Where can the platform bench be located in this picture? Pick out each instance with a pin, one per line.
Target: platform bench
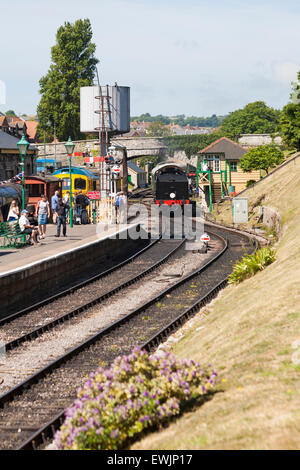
(11, 235)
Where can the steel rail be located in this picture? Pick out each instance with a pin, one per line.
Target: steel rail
(31, 335)
(182, 318)
(77, 286)
(18, 389)
(48, 430)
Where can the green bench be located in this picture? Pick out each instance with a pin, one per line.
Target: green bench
(11, 236)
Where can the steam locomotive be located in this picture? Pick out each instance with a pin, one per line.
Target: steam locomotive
(170, 185)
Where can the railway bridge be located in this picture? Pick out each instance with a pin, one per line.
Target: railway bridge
(136, 147)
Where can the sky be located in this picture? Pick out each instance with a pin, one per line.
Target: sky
(192, 57)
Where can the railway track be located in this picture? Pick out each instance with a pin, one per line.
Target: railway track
(75, 301)
(33, 410)
(76, 287)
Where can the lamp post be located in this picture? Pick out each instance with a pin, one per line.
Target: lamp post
(22, 146)
(70, 148)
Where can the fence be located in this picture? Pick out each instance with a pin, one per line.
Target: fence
(102, 210)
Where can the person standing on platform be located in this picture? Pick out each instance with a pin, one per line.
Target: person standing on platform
(61, 209)
(117, 208)
(43, 213)
(54, 201)
(81, 204)
(123, 208)
(86, 204)
(66, 200)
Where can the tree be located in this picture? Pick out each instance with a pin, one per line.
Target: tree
(10, 112)
(190, 144)
(73, 66)
(142, 161)
(254, 118)
(263, 157)
(290, 118)
(158, 129)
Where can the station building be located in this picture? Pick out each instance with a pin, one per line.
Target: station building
(10, 160)
(222, 158)
(136, 176)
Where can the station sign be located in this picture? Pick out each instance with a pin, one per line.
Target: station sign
(93, 195)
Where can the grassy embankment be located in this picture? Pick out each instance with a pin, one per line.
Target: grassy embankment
(248, 335)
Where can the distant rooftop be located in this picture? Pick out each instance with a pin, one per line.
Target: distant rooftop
(9, 142)
(135, 168)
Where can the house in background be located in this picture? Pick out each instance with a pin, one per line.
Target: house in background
(3, 123)
(225, 176)
(10, 160)
(17, 126)
(31, 129)
(136, 176)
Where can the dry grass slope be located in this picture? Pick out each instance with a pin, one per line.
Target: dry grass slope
(247, 334)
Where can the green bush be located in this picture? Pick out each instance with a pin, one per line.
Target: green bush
(138, 392)
(251, 264)
(250, 183)
(191, 144)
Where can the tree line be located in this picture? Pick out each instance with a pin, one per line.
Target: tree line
(181, 120)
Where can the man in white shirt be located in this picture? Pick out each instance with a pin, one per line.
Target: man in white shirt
(205, 166)
(26, 228)
(123, 208)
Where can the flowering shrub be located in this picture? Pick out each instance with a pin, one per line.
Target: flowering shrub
(251, 264)
(138, 391)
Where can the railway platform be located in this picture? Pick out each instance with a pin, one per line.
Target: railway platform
(79, 235)
(36, 271)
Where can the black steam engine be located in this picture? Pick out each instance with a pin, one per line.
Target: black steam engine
(170, 185)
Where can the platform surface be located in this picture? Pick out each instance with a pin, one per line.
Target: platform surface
(77, 236)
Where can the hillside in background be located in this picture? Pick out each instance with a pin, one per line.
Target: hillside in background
(181, 120)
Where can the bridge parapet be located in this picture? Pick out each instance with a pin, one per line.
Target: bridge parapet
(136, 147)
